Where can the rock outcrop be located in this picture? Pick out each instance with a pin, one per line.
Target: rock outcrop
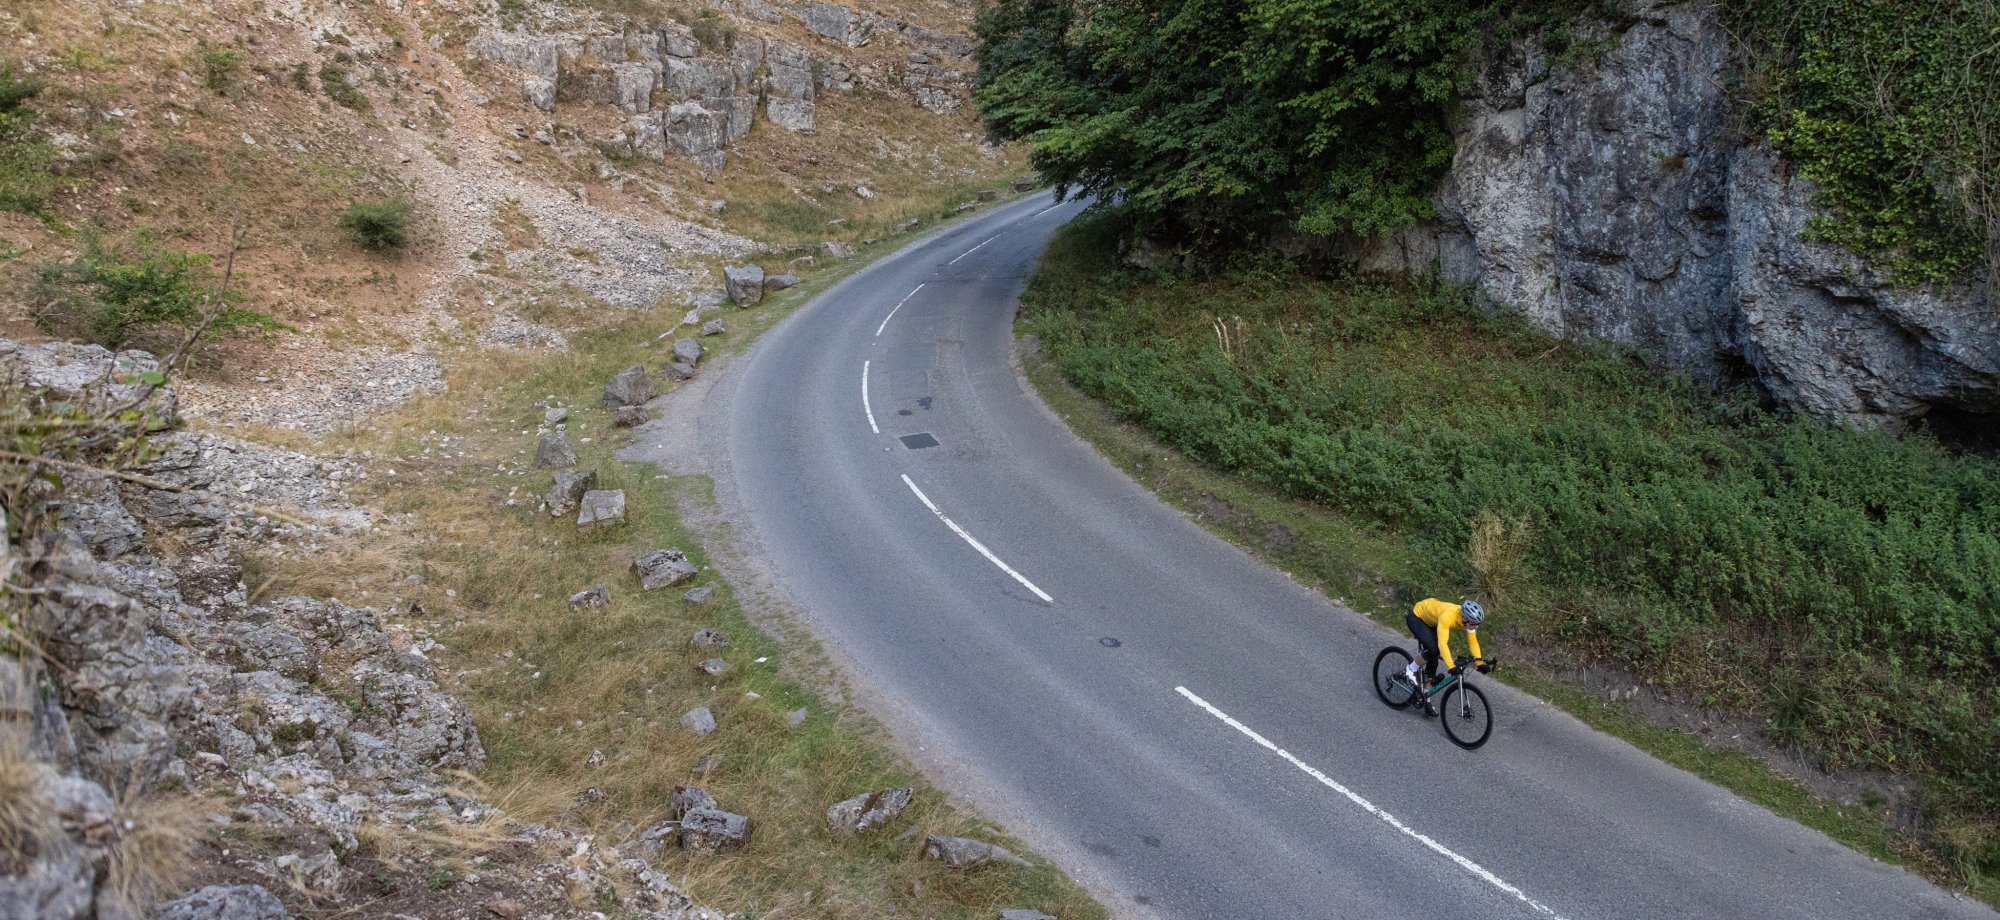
(1615, 200)
(694, 96)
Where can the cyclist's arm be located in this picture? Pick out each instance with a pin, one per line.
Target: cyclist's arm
(1444, 644)
(1472, 639)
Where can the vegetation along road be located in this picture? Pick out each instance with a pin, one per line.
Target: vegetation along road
(1185, 729)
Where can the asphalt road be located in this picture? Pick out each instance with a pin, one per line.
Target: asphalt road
(1180, 727)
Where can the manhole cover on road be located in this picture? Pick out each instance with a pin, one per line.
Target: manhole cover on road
(1108, 642)
(919, 441)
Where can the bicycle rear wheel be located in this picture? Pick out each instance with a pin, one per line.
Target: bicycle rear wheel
(1390, 684)
(1468, 721)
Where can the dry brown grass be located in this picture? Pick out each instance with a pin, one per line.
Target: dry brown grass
(153, 848)
(27, 820)
(1497, 547)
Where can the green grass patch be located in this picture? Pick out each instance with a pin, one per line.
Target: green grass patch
(1687, 536)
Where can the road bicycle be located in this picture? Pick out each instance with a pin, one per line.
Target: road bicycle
(1461, 708)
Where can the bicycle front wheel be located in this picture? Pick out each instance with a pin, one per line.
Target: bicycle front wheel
(1390, 684)
(1468, 721)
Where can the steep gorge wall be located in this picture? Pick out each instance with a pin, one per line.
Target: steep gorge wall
(1616, 199)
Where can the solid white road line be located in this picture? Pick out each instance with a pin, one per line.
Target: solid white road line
(1369, 807)
(981, 547)
(898, 306)
(864, 399)
(973, 249)
(1047, 209)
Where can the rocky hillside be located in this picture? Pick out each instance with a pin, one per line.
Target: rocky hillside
(1616, 198)
(249, 668)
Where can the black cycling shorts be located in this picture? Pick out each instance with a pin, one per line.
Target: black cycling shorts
(1427, 639)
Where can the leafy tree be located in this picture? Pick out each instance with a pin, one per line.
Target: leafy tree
(1213, 116)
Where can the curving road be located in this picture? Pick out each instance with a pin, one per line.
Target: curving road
(1180, 727)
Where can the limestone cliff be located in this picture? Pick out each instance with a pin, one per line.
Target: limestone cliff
(1615, 198)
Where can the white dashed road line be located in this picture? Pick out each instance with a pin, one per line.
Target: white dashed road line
(981, 547)
(974, 249)
(898, 306)
(1369, 807)
(864, 399)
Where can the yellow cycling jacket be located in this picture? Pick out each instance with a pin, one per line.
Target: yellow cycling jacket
(1444, 616)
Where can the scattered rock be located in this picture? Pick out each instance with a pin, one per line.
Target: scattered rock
(796, 717)
(631, 417)
(630, 388)
(988, 194)
(596, 760)
(744, 283)
(714, 667)
(867, 811)
(506, 908)
(714, 327)
(225, 902)
(908, 225)
(699, 720)
(570, 485)
(718, 206)
(699, 595)
(601, 508)
(780, 282)
(662, 568)
(593, 598)
(966, 853)
(556, 416)
(1024, 185)
(836, 249)
(688, 798)
(680, 371)
(688, 351)
(554, 450)
(708, 638)
(1022, 913)
(713, 830)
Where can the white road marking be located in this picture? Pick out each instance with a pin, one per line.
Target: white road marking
(973, 249)
(864, 399)
(1369, 807)
(898, 306)
(1047, 209)
(981, 547)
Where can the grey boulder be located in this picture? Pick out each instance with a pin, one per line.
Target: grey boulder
(780, 282)
(966, 853)
(688, 351)
(708, 638)
(714, 327)
(563, 496)
(601, 508)
(662, 568)
(1022, 913)
(225, 902)
(712, 830)
(867, 811)
(554, 450)
(680, 370)
(699, 720)
(745, 284)
(698, 595)
(631, 417)
(714, 667)
(630, 388)
(597, 597)
(687, 799)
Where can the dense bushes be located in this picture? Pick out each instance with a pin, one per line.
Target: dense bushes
(379, 226)
(1896, 117)
(1844, 584)
(120, 287)
(25, 179)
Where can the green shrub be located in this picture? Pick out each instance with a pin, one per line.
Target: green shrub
(218, 67)
(334, 82)
(1844, 584)
(379, 226)
(116, 289)
(26, 181)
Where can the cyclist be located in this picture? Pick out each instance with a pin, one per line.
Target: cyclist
(1431, 621)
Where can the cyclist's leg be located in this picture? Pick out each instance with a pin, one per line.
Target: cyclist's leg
(1426, 636)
